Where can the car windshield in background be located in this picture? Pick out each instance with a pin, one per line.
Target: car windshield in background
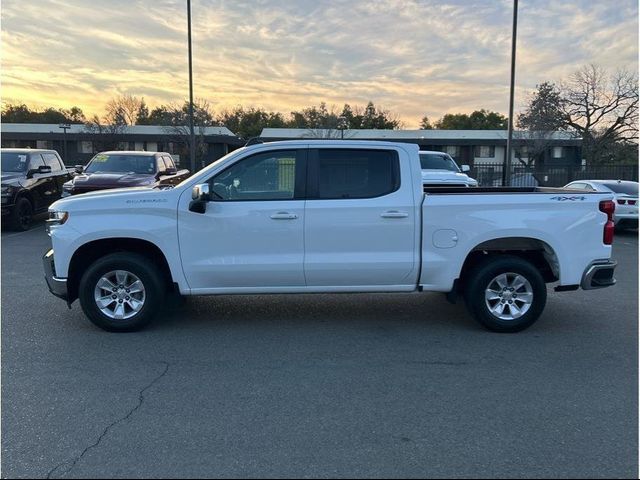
(623, 188)
(14, 162)
(121, 164)
(434, 161)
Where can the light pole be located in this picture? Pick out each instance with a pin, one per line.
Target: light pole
(192, 138)
(65, 127)
(506, 177)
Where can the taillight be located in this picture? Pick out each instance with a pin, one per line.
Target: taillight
(608, 207)
(623, 202)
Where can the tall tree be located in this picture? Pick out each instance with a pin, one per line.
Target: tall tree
(142, 117)
(425, 124)
(477, 120)
(248, 123)
(602, 108)
(123, 109)
(21, 113)
(538, 123)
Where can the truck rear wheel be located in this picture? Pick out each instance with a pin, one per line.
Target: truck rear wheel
(121, 292)
(505, 293)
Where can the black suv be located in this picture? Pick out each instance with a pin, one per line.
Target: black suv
(31, 181)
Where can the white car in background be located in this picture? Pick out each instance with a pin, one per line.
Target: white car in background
(625, 196)
(439, 169)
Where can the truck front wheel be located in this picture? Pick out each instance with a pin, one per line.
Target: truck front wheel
(505, 293)
(121, 292)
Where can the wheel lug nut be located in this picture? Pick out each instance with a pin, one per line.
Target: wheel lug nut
(120, 301)
(127, 298)
(114, 296)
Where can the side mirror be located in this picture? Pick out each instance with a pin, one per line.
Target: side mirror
(40, 169)
(200, 192)
(79, 168)
(465, 168)
(200, 197)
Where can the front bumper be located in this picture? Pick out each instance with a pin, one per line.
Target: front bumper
(599, 275)
(57, 286)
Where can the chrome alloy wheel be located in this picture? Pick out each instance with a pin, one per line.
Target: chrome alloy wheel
(119, 294)
(509, 296)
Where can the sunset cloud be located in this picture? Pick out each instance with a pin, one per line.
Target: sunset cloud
(412, 57)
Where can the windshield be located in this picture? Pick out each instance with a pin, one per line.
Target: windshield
(14, 162)
(104, 163)
(628, 188)
(438, 161)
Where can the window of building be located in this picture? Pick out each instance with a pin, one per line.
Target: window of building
(45, 144)
(557, 152)
(85, 147)
(485, 151)
(453, 150)
(350, 173)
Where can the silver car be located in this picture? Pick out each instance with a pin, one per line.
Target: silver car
(625, 194)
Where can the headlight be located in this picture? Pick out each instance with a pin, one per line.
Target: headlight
(7, 189)
(56, 218)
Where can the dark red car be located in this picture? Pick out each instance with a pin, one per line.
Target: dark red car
(120, 169)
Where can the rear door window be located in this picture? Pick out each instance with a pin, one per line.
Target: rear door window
(352, 173)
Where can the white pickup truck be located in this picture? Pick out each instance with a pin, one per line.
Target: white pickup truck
(326, 216)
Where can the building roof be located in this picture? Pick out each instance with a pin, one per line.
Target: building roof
(408, 135)
(127, 130)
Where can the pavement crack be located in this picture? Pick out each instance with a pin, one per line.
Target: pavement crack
(72, 463)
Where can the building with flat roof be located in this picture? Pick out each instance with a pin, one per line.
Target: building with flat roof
(82, 143)
(470, 147)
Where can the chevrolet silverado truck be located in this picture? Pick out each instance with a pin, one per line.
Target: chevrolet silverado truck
(32, 180)
(439, 169)
(119, 169)
(326, 216)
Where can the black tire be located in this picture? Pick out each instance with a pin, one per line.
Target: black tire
(147, 272)
(22, 215)
(481, 277)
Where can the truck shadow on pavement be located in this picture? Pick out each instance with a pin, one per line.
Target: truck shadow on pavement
(344, 310)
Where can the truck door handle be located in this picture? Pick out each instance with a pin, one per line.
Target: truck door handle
(284, 216)
(394, 214)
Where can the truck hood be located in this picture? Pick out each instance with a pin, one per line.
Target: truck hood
(116, 198)
(12, 178)
(113, 180)
(446, 176)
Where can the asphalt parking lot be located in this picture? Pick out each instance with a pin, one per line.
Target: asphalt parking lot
(318, 385)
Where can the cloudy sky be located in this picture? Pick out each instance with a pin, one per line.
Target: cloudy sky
(411, 57)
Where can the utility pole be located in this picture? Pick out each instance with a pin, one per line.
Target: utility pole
(65, 127)
(192, 137)
(506, 175)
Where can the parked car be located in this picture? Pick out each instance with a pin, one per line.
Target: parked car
(119, 169)
(439, 169)
(31, 181)
(625, 194)
(326, 216)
